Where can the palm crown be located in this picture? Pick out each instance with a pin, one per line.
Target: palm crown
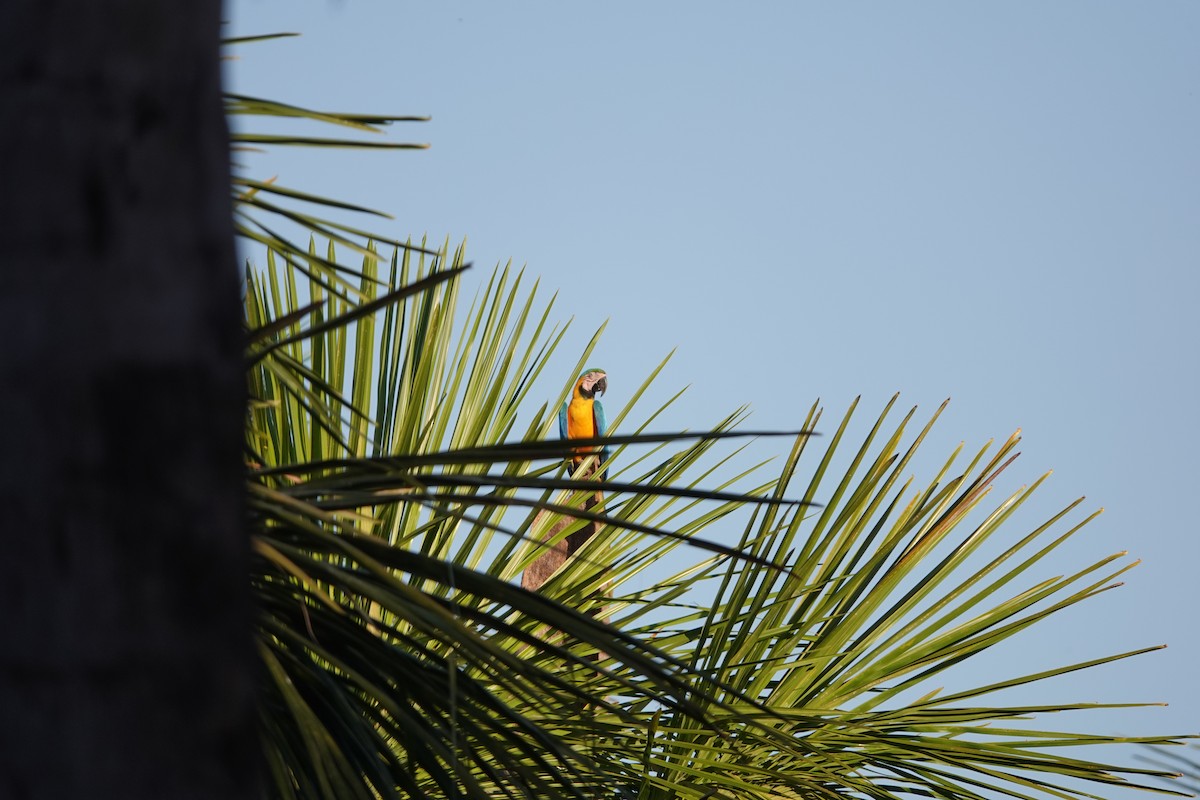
(401, 475)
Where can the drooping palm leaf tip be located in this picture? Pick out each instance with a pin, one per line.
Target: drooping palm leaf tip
(396, 482)
(1183, 767)
(269, 215)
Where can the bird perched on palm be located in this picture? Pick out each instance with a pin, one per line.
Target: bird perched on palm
(582, 415)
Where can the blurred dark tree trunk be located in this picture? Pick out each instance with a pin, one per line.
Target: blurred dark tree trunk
(125, 643)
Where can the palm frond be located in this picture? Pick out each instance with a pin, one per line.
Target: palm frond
(396, 498)
(266, 222)
(396, 494)
(386, 544)
(1183, 769)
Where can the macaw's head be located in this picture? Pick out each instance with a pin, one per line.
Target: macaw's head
(591, 382)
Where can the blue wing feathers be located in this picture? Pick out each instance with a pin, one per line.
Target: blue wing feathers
(562, 421)
(601, 425)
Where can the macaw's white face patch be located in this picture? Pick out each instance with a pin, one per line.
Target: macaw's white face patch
(592, 382)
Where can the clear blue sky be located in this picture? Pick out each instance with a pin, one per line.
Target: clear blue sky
(997, 202)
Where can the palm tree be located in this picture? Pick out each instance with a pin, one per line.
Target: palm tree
(398, 481)
(397, 495)
(126, 654)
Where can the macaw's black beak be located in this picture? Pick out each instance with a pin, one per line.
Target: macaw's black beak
(600, 386)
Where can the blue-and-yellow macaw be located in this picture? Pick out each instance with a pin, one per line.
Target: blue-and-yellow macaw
(582, 416)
